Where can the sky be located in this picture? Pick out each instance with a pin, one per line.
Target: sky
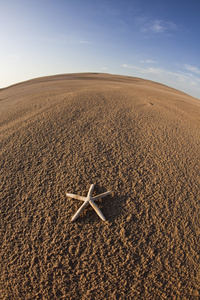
(157, 40)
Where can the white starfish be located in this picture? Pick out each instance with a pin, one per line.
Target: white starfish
(88, 200)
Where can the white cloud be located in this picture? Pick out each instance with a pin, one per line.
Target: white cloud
(148, 61)
(84, 42)
(14, 58)
(158, 26)
(192, 69)
(184, 81)
(128, 66)
(143, 70)
(70, 39)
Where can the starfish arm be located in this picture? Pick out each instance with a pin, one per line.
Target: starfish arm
(79, 211)
(90, 191)
(100, 196)
(76, 197)
(97, 209)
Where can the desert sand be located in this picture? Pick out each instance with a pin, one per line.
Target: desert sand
(133, 137)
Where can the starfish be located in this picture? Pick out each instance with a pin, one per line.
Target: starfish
(88, 200)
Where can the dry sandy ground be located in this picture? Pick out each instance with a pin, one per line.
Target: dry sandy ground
(136, 138)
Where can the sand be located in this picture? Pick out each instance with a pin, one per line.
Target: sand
(138, 139)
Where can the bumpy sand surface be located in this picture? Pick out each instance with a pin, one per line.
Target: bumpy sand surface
(136, 138)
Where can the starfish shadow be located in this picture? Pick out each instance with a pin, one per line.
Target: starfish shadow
(113, 205)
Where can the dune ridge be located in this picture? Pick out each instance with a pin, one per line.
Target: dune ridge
(136, 138)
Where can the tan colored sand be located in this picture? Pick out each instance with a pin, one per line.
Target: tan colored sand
(136, 138)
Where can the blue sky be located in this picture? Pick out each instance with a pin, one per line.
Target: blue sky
(152, 39)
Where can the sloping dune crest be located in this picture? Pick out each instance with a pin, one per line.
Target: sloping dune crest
(138, 139)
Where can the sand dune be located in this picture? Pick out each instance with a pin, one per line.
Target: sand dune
(138, 139)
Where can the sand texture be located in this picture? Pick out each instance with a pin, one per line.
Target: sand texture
(133, 137)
